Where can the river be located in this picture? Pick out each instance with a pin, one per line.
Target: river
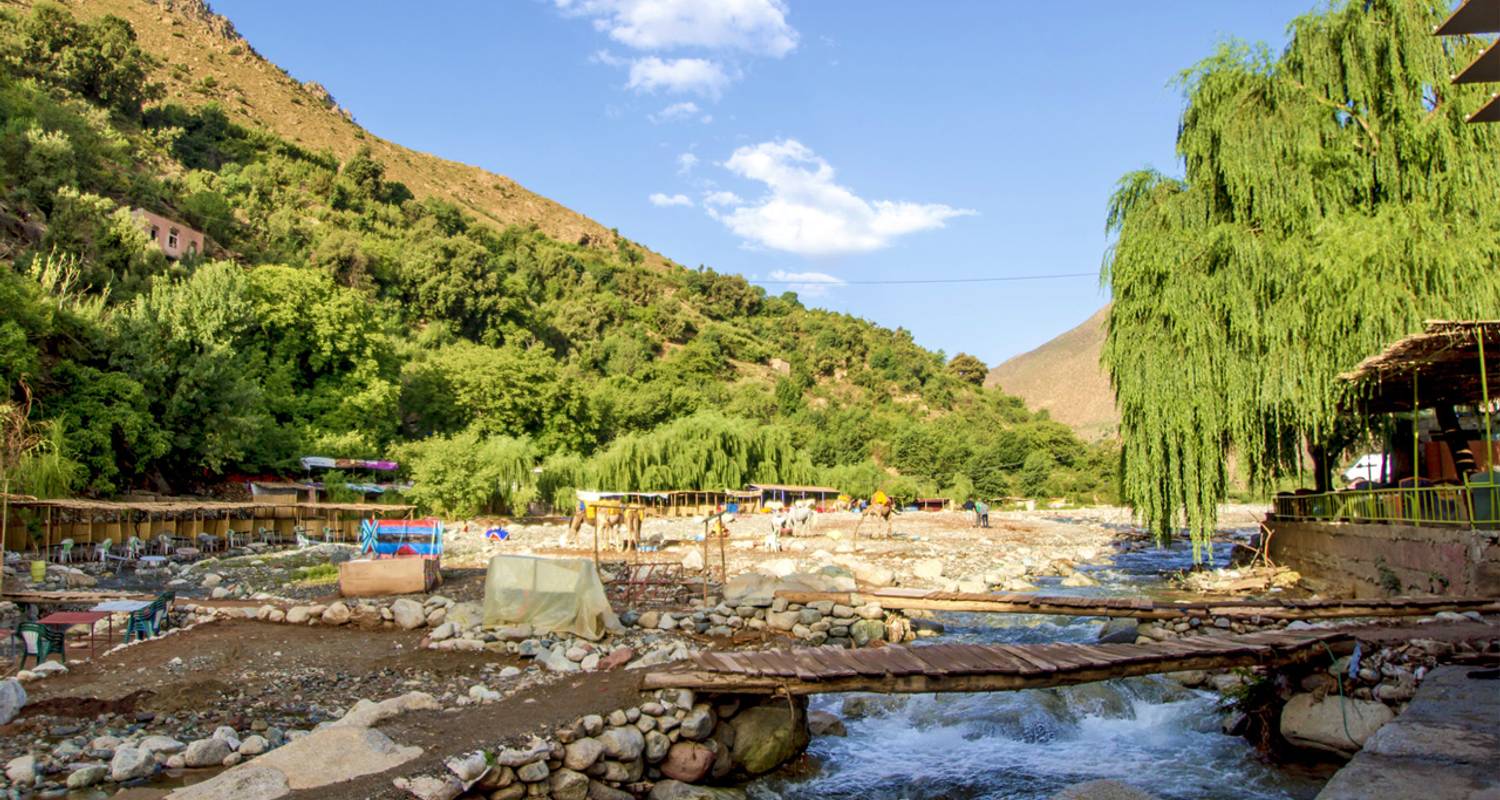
(1028, 745)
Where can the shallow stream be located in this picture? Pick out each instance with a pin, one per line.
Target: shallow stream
(1028, 745)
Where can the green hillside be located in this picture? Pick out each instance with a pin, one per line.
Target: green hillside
(337, 310)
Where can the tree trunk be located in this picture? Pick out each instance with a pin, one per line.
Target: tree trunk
(1457, 440)
(1319, 454)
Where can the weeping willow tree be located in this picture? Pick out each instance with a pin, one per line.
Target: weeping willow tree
(705, 451)
(468, 473)
(1332, 199)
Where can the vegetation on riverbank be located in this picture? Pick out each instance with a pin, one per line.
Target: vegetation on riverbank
(1333, 199)
(335, 312)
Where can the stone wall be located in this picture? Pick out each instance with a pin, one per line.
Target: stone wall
(1372, 560)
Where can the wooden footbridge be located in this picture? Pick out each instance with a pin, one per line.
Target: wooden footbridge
(983, 668)
(1076, 606)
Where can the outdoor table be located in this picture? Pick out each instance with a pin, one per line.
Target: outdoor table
(113, 607)
(153, 562)
(67, 619)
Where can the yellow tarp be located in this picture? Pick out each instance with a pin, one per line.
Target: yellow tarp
(552, 595)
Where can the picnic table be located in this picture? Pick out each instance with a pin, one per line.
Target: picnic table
(67, 619)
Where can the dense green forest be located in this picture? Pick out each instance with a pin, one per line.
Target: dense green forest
(334, 313)
(1333, 198)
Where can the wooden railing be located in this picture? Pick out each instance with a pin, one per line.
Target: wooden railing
(1476, 505)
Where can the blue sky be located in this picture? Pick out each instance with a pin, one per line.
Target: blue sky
(806, 140)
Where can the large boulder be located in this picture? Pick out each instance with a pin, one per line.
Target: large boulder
(765, 737)
(21, 770)
(569, 785)
(466, 615)
(871, 575)
(581, 754)
(336, 614)
(12, 698)
(866, 630)
(1334, 724)
(408, 614)
(928, 569)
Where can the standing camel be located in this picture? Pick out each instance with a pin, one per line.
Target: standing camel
(803, 516)
(881, 511)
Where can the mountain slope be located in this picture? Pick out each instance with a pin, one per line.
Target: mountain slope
(202, 58)
(1064, 378)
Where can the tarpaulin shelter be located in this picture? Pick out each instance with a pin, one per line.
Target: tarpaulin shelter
(552, 595)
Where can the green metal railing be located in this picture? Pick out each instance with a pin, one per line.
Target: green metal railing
(1474, 505)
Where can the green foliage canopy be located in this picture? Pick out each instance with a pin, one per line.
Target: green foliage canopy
(1333, 198)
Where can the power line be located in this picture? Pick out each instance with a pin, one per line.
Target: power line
(908, 281)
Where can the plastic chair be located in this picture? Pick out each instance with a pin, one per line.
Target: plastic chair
(164, 543)
(234, 538)
(142, 623)
(101, 550)
(65, 551)
(327, 535)
(39, 641)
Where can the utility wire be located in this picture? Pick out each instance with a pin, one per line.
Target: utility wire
(908, 281)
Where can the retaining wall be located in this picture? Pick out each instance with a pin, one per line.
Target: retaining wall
(1373, 560)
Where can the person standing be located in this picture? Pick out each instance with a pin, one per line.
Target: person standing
(982, 513)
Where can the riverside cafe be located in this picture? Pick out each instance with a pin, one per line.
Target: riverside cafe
(1431, 395)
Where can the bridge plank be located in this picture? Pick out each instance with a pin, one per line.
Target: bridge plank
(1001, 662)
(833, 662)
(955, 658)
(900, 661)
(1039, 664)
(933, 663)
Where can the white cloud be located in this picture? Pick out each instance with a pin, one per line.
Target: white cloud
(682, 75)
(722, 199)
(675, 112)
(758, 27)
(804, 211)
(812, 284)
(685, 163)
(668, 200)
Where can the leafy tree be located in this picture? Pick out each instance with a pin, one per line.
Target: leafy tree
(98, 60)
(968, 369)
(463, 475)
(1035, 479)
(1331, 201)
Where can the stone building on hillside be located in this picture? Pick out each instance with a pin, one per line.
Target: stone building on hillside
(175, 239)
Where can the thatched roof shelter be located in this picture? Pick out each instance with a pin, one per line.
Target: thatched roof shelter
(1439, 366)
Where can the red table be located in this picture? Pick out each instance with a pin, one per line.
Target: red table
(67, 619)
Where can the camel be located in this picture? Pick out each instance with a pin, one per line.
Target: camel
(881, 511)
(803, 516)
(606, 523)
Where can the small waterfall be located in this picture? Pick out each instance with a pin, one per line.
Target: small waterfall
(1027, 745)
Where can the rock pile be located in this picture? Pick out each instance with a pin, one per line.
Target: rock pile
(659, 749)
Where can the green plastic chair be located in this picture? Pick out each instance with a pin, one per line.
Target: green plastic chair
(101, 550)
(39, 641)
(142, 623)
(65, 551)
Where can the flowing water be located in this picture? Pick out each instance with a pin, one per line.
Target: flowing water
(1148, 732)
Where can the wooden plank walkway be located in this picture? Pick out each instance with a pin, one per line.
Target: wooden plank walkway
(1076, 606)
(981, 668)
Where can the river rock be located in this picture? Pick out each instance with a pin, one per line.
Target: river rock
(130, 763)
(164, 745)
(1079, 580)
(408, 614)
(209, 752)
(750, 589)
(866, 630)
(677, 790)
(657, 744)
(623, 744)
(1102, 790)
(687, 762)
(12, 698)
(84, 777)
(822, 723)
(254, 746)
(336, 613)
(1320, 724)
(1121, 630)
(535, 772)
(781, 621)
(21, 770)
(569, 785)
(698, 723)
(581, 754)
(692, 560)
(428, 787)
(766, 736)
